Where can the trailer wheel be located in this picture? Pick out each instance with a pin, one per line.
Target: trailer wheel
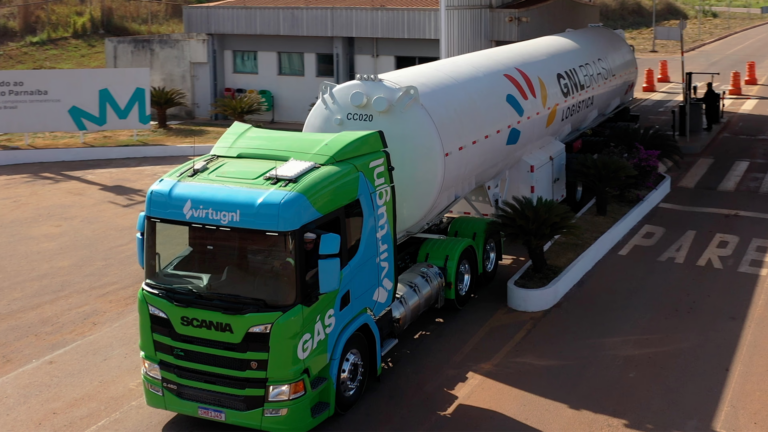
(352, 375)
(491, 257)
(466, 278)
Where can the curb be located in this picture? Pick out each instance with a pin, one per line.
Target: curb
(727, 35)
(539, 299)
(15, 157)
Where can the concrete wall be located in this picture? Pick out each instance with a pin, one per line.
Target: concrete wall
(368, 64)
(168, 57)
(293, 94)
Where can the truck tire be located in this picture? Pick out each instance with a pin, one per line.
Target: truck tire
(352, 375)
(491, 257)
(466, 278)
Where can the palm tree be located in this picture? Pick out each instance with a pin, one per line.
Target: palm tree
(534, 224)
(604, 176)
(163, 99)
(239, 107)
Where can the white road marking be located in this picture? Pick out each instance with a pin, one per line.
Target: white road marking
(748, 105)
(639, 240)
(42, 360)
(764, 186)
(679, 250)
(729, 101)
(714, 210)
(653, 98)
(115, 415)
(714, 251)
(695, 174)
(671, 103)
(733, 177)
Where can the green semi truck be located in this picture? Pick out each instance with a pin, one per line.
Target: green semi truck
(282, 266)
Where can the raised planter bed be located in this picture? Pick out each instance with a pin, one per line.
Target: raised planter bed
(539, 299)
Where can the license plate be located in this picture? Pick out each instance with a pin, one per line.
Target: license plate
(211, 413)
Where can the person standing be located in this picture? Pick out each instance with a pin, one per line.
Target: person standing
(711, 104)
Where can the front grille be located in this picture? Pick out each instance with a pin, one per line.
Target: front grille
(212, 398)
(213, 360)
(252, 342)
(319, 408)
(214, 379)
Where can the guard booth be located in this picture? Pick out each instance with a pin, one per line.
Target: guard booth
(696, 105)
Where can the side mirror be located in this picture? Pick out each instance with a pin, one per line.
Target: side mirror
(329, 269)
(330, 244)
(140, 239)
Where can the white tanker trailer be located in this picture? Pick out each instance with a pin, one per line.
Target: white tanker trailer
(480, 120)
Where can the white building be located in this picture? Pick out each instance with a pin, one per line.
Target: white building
(289, 47)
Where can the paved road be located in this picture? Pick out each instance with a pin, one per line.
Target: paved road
(641, 343)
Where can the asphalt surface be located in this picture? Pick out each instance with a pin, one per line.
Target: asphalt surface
(667, 332)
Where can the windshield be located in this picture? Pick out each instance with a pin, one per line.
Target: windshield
(221, 262)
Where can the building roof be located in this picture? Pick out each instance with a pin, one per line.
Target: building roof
(331, 3)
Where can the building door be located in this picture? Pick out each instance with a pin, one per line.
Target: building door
(201, 89)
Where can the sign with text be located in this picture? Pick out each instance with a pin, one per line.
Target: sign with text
(668, 33)
(74, 100)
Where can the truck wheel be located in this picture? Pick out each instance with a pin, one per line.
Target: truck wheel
(353, 372)
(491, 257)
(466, 278)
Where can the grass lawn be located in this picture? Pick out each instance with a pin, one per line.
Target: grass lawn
(84, 52)
(566, 249)
(710, 28)
(186, 133)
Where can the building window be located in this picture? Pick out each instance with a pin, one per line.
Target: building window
(292, 64)
(246, 62)
(404, 62)
(325, 65)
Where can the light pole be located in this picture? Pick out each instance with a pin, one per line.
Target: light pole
(653, 27)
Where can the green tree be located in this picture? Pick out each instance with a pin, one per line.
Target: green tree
(604, 176)
(534, 224)
(163, 99)
(239, 107)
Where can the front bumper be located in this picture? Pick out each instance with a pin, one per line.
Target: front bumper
(303, 413)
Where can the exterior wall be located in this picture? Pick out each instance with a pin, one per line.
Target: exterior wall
(553, 17)
(367, 64)
(313, 21)
(293, 94)
(168, 57)
(468, 29)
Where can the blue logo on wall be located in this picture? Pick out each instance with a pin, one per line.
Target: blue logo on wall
(106, 99)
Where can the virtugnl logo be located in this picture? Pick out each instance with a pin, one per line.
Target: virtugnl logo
(222, 216)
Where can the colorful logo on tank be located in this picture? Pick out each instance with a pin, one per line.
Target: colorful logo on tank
(514, 133)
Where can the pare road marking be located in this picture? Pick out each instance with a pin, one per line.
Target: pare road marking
(755, 261)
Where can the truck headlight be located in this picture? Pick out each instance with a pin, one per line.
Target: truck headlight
(157, 312)
(151, 369)
(284, 392)
(265, 328)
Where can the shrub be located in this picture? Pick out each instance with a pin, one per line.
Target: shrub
(534, 224)
(239, 107)
(163, 99)
(605, 176)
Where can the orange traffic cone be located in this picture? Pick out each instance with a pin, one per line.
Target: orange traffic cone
(663, 72)
(648, 85)
(751, 74)
(735, 89)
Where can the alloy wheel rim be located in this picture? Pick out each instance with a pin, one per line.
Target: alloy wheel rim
(465, 275)
(351, 372)
(489, 256)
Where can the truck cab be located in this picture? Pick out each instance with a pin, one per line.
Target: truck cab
(271, 277)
